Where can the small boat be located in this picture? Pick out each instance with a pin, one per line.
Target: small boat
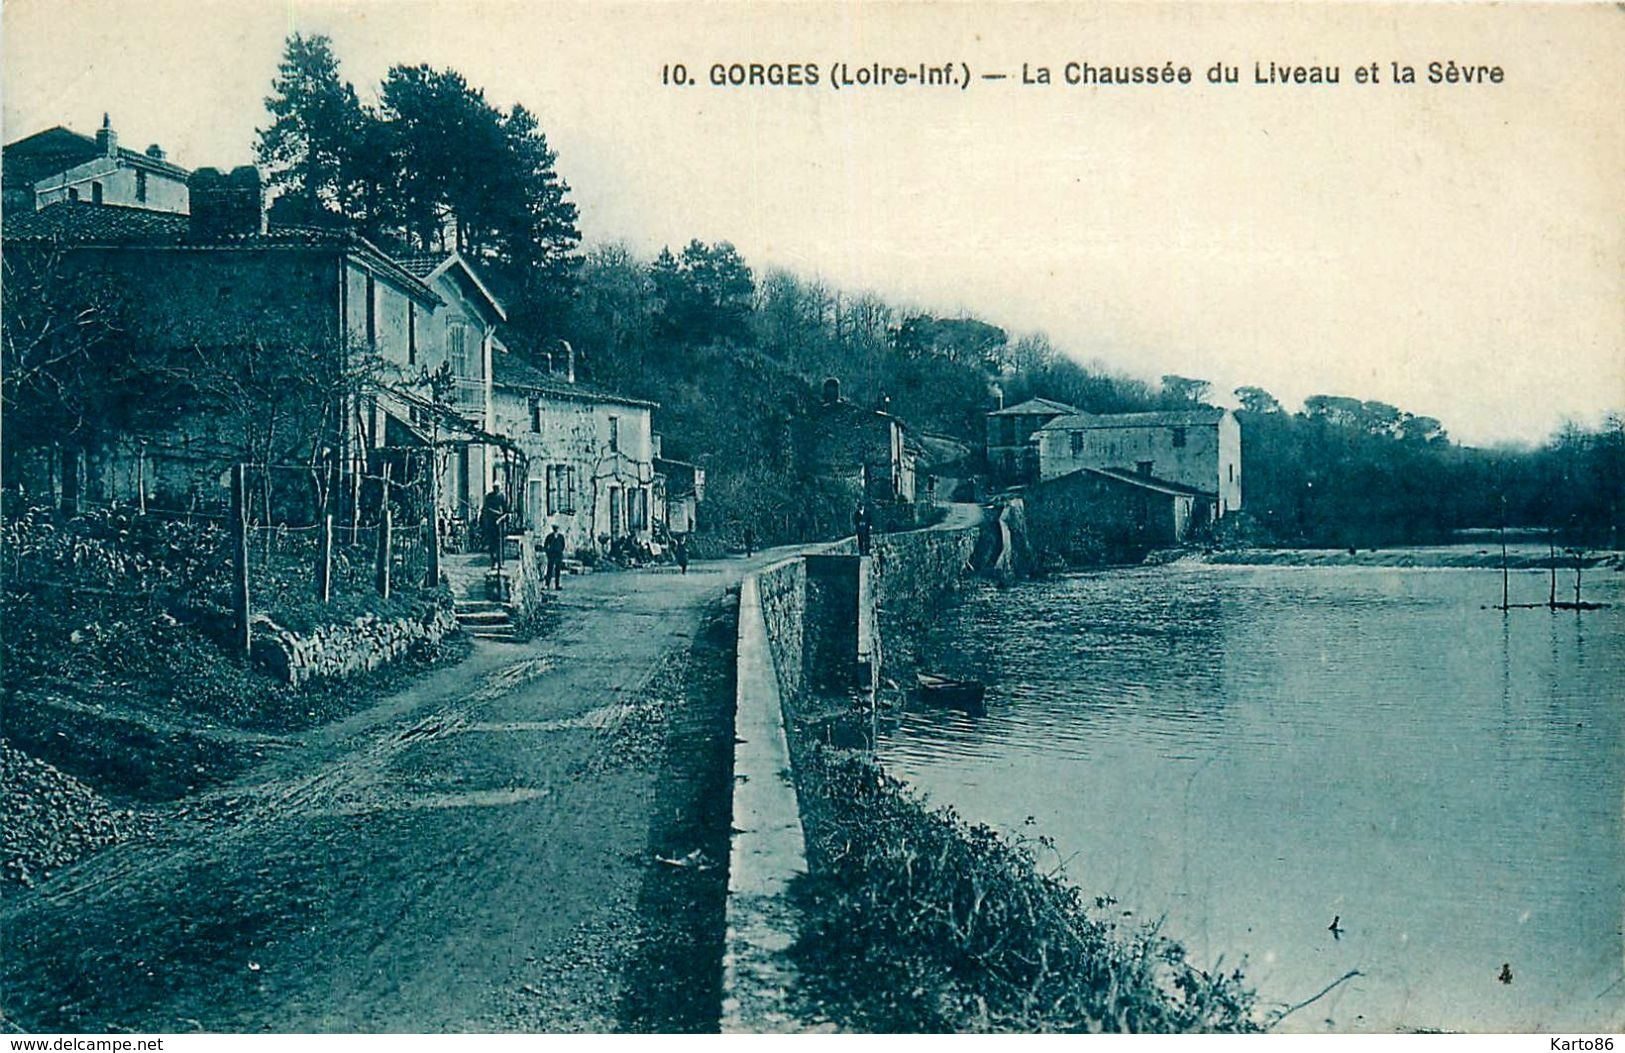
(947, 691)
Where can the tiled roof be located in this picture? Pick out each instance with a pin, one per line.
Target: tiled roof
(83, 221)
(422, 264)
(59, 149)
(1035, 406)
(86, 223)
(1164, 484)
(1143, 482)
(1157, 419)
(510, 371)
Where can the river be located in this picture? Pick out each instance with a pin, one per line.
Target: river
(1247, 753)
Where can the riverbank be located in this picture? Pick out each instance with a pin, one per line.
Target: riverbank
(907, 918)
(1521, 556)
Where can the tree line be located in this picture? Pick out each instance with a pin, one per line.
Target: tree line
(736, 357)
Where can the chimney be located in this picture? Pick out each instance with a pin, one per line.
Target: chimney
(569, 361)
(998, 396)
(107, 138)
(224, 206)
(655, 444)
(156, 152)
(832, 391)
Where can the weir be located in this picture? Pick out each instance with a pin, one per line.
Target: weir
(813, 622)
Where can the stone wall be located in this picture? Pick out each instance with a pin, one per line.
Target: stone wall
(913, 572)
(783, 595)
(348, 648)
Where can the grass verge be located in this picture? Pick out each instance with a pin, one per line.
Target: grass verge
(918, 921)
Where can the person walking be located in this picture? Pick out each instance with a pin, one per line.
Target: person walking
(679, 548)
(553, 548)
(750, 541)
(492, 518)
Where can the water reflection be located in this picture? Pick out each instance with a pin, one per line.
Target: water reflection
(1253, 751)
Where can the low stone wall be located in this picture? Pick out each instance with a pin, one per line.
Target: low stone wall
(906, 576)
(913, 572)
(782, 591)
(347, 648)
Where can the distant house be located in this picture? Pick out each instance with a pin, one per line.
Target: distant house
(1198, 449)
(586, 459)
(679, 490)
(1010, 455)
(865, 451)
(1121, 514)
(61, 165)
(219, 277)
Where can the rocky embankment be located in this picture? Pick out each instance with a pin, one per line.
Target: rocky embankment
(49, 820)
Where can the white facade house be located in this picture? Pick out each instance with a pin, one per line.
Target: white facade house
(1197, 448)
(587, 456)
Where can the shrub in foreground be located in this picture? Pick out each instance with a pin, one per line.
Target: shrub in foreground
(919, 921)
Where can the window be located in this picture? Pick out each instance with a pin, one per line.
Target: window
(457, 350)
(1232, 468)
(1179, 438)
(638, 514)
(141, 185)
(561, 489)
(73, 193)
(96, 193)
(372, 312)
(614, 434)
(1144, 467)
(411, 333)
(617, 512)
(535, 414)
(1077, 444)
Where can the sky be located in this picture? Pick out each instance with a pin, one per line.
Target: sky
(1457, 250)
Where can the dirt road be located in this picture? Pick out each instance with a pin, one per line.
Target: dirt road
(479, 852)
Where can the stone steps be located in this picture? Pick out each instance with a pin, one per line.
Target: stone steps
(485, 620)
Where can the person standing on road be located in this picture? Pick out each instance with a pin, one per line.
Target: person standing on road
(861, 527)
(679, 548)
(553, 547)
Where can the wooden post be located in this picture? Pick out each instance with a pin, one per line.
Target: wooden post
(381, 577)
(1551, 559)
(242, 636)
(1504, 552)
(434, 520)
(324, 568)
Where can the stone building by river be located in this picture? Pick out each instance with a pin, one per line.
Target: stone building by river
(1199, 449)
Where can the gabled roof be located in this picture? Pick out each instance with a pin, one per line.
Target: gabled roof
(510, 371)
(84, 224)
(430, 266)
(59, 149)
(1158, 419)
(1033, 407)
(1144, 482)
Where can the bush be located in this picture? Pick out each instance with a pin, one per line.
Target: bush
(919, 921)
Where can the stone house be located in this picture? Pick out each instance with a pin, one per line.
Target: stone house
(865, 452)
(584, 459)
(218, 277)
(1197, 449)
(1095, 513)
(1011, 457)
(679, 491)
(62, 165)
